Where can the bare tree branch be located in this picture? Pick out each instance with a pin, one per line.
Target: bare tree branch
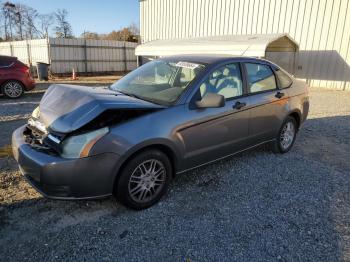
(63, 28)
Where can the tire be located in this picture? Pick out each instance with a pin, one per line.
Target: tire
(285, 141)
(138, 187)
(12, 89)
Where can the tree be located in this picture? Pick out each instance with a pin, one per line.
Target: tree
(8, 13)
(89, 35)
(134, 29)
(63, 28)
(29, 18)
(130, 34)
(19, 21)
(46, 21)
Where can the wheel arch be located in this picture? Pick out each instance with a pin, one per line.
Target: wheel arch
(296, 114)
(168, 150)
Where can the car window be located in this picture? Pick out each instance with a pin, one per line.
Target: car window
(260, 78)
(6, 61)
(225, 81)
(283, 78)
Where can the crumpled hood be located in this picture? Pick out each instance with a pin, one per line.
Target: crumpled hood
(65, 108)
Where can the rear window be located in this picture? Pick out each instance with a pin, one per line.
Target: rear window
(19, 63)
(283, 78)
(6, 61)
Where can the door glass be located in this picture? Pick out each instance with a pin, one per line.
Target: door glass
(225, 81)
(284, 80)
(260, 78)
(5, 62)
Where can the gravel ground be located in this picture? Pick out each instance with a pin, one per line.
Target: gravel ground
(255, 206)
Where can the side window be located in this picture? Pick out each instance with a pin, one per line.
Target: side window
(5, 62)
(225, 81)
(260, 78)
(283, 78)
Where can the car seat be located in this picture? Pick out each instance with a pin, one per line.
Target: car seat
(230, 85)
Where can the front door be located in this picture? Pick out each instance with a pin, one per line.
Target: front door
(217, 132)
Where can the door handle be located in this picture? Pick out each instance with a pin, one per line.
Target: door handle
(279, 95)
(239, 105)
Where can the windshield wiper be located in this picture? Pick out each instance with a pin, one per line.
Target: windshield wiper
(136, 96)
(129, 94)
(110, 87)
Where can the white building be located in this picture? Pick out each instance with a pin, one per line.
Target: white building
(320, 27)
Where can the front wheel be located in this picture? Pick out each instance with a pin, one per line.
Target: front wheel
(286, 136)
(144, 179)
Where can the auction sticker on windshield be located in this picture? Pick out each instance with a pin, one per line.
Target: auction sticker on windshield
(187, 65)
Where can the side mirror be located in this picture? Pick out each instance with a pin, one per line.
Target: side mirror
(211, 100)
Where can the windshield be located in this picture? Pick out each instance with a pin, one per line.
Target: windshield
(158, 81)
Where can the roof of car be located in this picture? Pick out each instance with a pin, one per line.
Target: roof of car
(8, 57)
(210, 59)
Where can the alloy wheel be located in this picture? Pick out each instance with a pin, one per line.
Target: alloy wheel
(13, 89)
(287, 135)
(147, 181)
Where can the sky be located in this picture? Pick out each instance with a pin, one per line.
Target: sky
(101, 16)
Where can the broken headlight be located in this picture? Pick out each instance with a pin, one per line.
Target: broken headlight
(79, 146)
(36, 113)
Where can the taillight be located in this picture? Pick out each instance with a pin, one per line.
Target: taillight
(22, 67)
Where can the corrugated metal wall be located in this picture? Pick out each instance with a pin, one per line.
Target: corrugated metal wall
(90, 56)
(321, 27)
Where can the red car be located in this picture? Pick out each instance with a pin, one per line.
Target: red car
(15, 77)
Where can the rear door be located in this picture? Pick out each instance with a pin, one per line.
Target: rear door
(213, 133)
(267, 102)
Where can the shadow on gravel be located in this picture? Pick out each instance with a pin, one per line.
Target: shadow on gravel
(7, 128)
(253, 206)
(327, 139)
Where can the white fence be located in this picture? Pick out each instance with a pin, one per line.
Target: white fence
(85, 56)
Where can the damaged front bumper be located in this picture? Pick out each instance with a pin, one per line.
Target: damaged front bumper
(59, 178)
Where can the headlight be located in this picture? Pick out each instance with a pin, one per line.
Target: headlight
(36, 113)
(80, 145)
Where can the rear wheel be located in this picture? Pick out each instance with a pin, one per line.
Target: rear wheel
(13, 89)
(286, 136)
(144, 180)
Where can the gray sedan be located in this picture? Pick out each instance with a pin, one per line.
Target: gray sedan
(166, 117)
